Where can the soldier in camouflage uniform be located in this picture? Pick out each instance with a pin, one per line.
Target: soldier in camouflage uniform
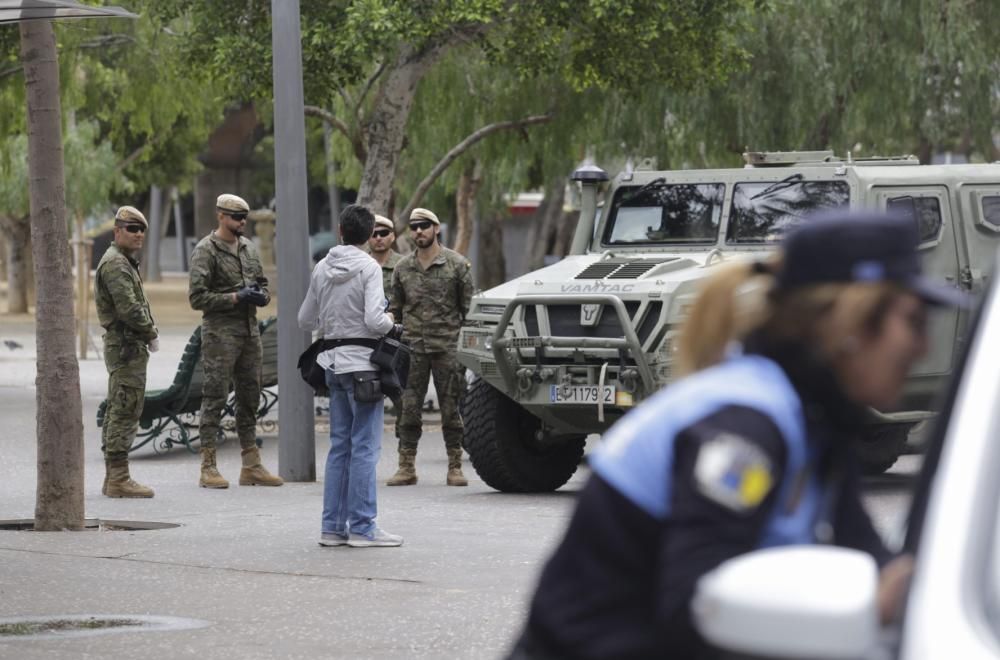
(227, 285)
(129, 337)
(380, 246)
(431, 294)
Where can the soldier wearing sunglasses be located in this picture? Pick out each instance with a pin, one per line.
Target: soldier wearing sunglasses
(228, 285)
(380, 246)
(431, 294)
(129, 337)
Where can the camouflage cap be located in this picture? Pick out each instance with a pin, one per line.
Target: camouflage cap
(382, 221)
(130, 214)
(232, 203)
(424, 214)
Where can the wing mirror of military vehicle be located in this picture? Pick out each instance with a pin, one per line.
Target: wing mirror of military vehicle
(791, 602)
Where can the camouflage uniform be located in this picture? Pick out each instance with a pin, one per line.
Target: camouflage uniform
(432, 305)
(124, 314)
(230, 338)
(387, 270)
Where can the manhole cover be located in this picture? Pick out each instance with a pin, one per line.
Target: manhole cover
(86, 625)
(91, 525)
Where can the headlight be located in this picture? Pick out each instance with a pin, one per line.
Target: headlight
(488, 342)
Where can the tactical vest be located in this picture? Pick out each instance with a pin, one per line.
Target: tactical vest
(637, 455)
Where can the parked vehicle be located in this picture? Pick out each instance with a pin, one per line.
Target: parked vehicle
(820, 602)
(565, 351)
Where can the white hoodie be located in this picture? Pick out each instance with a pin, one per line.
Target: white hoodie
(345, 299)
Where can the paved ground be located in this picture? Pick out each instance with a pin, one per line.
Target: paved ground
(246, 561)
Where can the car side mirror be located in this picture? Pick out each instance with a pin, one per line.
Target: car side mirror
(791, 602)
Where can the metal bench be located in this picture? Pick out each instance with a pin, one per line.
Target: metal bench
(169, 414)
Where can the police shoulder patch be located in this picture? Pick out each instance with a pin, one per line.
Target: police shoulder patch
(734, 472)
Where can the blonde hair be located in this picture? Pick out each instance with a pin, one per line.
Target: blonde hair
(826, 316)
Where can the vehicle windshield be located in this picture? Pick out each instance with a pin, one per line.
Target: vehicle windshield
(660, 212)
(763, 211)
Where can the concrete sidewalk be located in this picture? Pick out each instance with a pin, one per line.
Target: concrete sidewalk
(245, 560)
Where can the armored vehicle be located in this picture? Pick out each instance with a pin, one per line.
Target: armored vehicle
(563, 352)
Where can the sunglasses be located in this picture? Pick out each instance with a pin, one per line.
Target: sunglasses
(134, 229)
(381, 233)
(420, 226)
(238, 217)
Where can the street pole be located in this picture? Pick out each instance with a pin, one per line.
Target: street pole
(296, 424)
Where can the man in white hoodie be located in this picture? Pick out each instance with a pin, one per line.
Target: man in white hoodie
(345, 301)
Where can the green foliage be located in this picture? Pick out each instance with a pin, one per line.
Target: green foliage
(128, 77)
(92, 174)
(888, 76)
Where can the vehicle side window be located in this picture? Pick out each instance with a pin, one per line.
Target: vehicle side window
(763, 211)
(991, 211)
(928, 214)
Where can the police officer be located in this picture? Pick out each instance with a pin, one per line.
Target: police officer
(228, 285)
(431, 294)
(750, 450)
(129, 337)
(380, 246)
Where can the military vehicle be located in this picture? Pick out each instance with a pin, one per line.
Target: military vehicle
(563, 352)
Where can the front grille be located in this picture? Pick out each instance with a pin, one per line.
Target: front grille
(649, 321)
(565, 321)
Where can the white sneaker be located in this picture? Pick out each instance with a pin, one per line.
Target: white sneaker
(331, 539)
(379, 538)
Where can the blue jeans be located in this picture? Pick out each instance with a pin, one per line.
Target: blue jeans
(355, 444)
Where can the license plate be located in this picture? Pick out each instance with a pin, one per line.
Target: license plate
(582, 394)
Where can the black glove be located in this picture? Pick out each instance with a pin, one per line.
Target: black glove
(396, 332)
(253, 295)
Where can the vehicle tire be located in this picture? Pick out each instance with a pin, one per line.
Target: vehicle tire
(500, 440)
(881, 445)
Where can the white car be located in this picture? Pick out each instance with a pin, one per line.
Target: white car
(819, 602)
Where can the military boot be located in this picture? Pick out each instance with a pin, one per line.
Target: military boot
(255, 474)
(455, 476)
(210, 477)
(120, 483)
(406, 475)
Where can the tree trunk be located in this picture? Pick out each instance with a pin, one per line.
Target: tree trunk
(59, 426)
(465, 205)
(387, 128)
(492, 268)
(18, 241)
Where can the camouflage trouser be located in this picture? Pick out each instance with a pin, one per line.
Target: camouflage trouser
(230, 359)
(126, 364)
(450, 385)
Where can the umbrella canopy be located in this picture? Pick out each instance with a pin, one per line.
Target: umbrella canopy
(15, 11)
